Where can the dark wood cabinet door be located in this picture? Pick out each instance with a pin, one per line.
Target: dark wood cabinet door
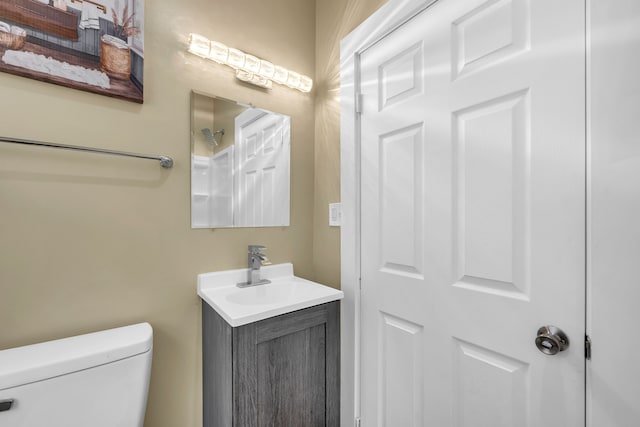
(291, 379)
(285, 370)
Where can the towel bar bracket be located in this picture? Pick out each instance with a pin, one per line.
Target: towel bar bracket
(165, 161)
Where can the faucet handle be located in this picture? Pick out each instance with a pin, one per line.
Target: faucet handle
(264, 260)
(255, 249)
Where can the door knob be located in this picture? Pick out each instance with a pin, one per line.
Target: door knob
(551, 340)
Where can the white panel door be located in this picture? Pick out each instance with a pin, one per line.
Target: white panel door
(262, 175)
(473, 216)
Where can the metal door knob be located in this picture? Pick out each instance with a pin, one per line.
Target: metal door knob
(551, 340)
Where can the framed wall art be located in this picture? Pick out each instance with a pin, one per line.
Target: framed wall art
(91, 45)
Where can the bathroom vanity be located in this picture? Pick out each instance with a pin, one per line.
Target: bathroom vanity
(270, 352)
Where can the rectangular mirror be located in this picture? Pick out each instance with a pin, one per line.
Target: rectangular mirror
(240, 167)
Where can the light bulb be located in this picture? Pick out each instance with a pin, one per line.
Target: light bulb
(219, 52)
(280, 75)
(199, 45)
(251, 64)
(294, 80)
(236, 58)
(305, 84)
(266, 69)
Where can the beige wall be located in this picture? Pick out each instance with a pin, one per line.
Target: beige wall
(90, 242)
(334, 20)
(214, 114)
(225, 114)
(202, 116)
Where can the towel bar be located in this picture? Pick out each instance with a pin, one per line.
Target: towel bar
(165, 162)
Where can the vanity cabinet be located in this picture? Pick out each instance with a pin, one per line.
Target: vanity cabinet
(282, 371)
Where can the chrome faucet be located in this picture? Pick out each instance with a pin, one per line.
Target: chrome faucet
(255, 260)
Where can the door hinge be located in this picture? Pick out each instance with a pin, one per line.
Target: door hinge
(360, 283)
(357, 423)
(359, 103)
(587, 347)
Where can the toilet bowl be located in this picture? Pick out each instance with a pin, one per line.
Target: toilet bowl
(98, 380)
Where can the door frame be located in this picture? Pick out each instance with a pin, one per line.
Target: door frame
(389, 17)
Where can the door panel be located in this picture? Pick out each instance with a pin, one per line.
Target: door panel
(262, 169)
(401, 371)
(474, 368)
(401, 185)
(473, 168)
(489, 33)
(490, 196)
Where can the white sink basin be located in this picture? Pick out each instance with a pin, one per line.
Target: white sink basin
(285, 293)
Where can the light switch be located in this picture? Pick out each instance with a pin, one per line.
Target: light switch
(335, 214)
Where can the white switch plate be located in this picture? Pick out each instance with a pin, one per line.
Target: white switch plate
(335, 214)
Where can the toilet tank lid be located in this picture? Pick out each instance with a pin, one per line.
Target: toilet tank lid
(37, 362)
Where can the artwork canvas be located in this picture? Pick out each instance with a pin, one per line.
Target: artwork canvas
(90, 45)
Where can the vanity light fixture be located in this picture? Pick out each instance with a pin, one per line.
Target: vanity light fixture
(249, 68)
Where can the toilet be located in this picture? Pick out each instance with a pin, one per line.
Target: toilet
(99, 380)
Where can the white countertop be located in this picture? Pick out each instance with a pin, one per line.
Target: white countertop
(240, 306)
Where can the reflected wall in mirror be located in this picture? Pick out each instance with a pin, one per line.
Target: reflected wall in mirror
(240, 167)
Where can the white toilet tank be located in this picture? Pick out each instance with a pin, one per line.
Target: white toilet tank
(94, 380)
